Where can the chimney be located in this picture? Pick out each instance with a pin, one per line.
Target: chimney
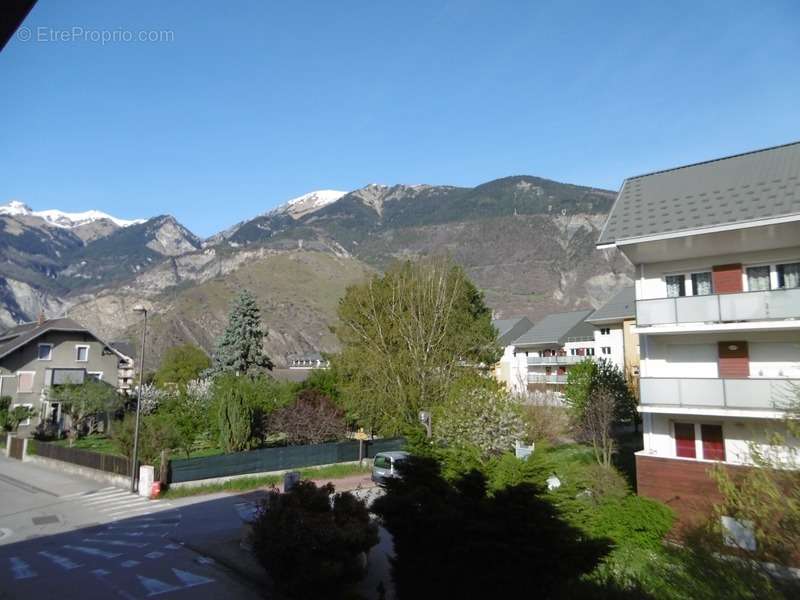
(40, 318)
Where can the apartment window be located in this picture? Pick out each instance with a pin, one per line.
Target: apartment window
(606, 349)
(25, 422)
(758, 278)
(96, 375)
(788, 275)
(684, 440)
(605, 331)
(701, 284)
(713, 442)
(81, 353)
(590, 352)
(45, 352)
(573, 351)
(676, 286)
(25, 382)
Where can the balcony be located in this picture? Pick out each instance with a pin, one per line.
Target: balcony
(557, 360)
(720, 308)
(759, 394)
(542, 378)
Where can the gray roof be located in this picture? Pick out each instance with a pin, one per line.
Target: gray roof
(509, 330)
(737, 189)
(19, 336)
(621, 306)
(556, 329)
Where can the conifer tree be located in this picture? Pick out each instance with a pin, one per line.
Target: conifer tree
(240, 348)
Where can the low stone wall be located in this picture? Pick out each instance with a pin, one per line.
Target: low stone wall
(119, 481)
(215, 480)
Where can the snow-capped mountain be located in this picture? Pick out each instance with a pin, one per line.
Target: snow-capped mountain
(59, 218)
(308, 203)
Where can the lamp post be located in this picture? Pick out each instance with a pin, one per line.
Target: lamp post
(141, 310)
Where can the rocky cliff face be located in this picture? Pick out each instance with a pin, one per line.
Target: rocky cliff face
(527, 242)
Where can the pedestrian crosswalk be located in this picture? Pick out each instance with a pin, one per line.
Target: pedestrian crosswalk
(117, 504)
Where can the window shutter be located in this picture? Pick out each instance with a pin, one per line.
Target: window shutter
(684, 440)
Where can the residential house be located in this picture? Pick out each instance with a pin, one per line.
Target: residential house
(614, 337)
(34, 357)
(310, 360)
(512, 369)
(554, 344)
(716, 250)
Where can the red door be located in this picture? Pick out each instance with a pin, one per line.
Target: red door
(734, 360)
(684, 440)
(727, 279)
(713, 442)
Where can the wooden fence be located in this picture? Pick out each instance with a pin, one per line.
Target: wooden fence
(85, 458)
(276, 459)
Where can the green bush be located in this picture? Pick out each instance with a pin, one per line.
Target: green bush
(310, 545)
(234, 414)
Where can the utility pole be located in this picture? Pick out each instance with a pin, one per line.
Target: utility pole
(135, 459)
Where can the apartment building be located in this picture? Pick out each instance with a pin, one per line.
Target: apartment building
(555, 343)
(614, 337)
(512, 369)
(716, 249)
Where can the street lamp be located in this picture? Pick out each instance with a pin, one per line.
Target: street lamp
(143, 311)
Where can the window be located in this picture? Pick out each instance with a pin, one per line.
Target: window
(81, 353)
(45, 352)
(676, 286)
(25, 382)
(788, 275)
(758, 278)
(701, 284)
(713, 442)
(606, 349)
(590, 352)
(684, 440)
(605, 331)
(382, 462)
(573, 351)
(95, 375)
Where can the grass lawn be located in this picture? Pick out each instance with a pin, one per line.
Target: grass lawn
(95, 443)
(245, 484)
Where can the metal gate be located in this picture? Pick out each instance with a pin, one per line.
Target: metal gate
(17, 447)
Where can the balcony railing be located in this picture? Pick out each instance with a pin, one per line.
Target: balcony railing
(719, 308)
(541, 378)
(755, 393)
(557, 360)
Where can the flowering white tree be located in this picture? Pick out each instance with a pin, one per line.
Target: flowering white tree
(151, 398)
(490, 420)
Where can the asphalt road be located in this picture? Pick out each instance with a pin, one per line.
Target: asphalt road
(63, 537)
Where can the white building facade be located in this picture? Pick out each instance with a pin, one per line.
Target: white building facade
(716, 248)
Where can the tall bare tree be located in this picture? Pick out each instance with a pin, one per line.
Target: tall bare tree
(596, 422)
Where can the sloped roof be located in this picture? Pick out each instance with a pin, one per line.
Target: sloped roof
(557, 328)
(19, 336)
(621, 306)
(736, 189)
(509, 330)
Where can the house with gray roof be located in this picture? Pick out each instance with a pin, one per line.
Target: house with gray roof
(511, 369)
(716, 251)
(554, 344)
(614, 337)
(35, 357)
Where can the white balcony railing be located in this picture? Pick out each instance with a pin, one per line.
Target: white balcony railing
(754, 393)
(720, 308)
(557, 360)
(542, 378)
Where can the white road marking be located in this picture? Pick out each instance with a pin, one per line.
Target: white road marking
(155, 587)
(121, 497)
(190, 579)
(129, 563)
(121, 505)
(93, 551)
(21, 569)
(89, 494)
(172, 547)
(154, 554)
(101, 572)
(61, 561)
(117, 543)
(204, 560)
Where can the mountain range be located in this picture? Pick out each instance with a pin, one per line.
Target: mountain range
(527, 242)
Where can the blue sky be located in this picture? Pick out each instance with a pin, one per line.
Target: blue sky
(249, 103)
